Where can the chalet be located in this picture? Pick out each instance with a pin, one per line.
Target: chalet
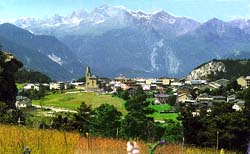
(23, 102)
(121, 79)
(78, 85)
(204, 97)
(140, 81)
(248, 81)
(146, 87)
(57, 86)
(132, 91)
(183, 97)
(219, 98)
(31, 86)
(149, 81)
(242, 81)
(176, 84)
(222, 82)
(165, 81)
(212, 85)
(161, 98)
(231, 98)
(239, 105)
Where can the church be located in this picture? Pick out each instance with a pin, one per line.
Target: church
(91, 80)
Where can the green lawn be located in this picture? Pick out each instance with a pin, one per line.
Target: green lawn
(163, 107)
(19, 86)
(163, 116)
(73, 100)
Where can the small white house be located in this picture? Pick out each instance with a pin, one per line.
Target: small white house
(22, 102)
(31, 86)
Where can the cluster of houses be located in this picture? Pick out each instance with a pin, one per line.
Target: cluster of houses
(182, 88)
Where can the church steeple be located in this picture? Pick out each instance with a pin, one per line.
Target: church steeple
(91, 80)
(88, 73)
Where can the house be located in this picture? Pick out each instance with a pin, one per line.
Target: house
(132, 91)
(239, 105)
(140, 81)
(146, 87)
(198, 82)
(231, 98)
(213, 85)
(222, 82)
(165, 81)
(204, 97)
(57, 86)
(149, 81)
(121, 79)
(91, 80)
(219, 98)
(183, 97)
(22, 102)
(175, 83)
(248, 80)
(78, 85)
(31, 86)
(161, 98)
(242, 81)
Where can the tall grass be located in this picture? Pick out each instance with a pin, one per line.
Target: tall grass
(13, 138)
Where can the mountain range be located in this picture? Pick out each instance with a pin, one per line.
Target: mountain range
(115, 40)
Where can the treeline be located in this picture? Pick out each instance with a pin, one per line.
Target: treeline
(30, 76)
(234, 69)
(222, 127)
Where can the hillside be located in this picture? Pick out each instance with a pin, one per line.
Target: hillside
(217, 69)
(54, 142)
(30, 76)
(41, 52)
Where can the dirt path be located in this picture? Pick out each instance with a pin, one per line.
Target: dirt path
(55, 109)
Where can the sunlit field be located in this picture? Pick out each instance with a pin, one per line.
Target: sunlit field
(73, 100)
(12, 139)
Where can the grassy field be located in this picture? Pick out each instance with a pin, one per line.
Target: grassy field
(12, 139)
(163, 116)
(163, 107)
(19, 86)
(73, 100)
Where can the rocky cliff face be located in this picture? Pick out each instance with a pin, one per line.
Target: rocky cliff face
(8, 91)
(203, 71)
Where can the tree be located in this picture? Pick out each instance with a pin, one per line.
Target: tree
(8, 91)
(60, 123)
(105, 121)
(11, 116)
(81, 120)
(136, 123)
(172, 100)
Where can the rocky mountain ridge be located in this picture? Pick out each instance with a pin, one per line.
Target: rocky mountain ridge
(205, 70)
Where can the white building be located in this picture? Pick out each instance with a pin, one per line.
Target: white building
(31, 86)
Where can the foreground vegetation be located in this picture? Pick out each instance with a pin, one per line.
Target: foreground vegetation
(54, 142)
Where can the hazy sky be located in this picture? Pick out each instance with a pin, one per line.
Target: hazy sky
(200, 10)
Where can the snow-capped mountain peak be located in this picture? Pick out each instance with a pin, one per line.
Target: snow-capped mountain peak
(240, 23)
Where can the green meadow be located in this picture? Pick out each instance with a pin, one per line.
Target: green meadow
(163, 116)
(19, 86)
(73, 101)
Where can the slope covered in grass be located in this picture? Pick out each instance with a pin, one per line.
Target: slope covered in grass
(73, 100)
